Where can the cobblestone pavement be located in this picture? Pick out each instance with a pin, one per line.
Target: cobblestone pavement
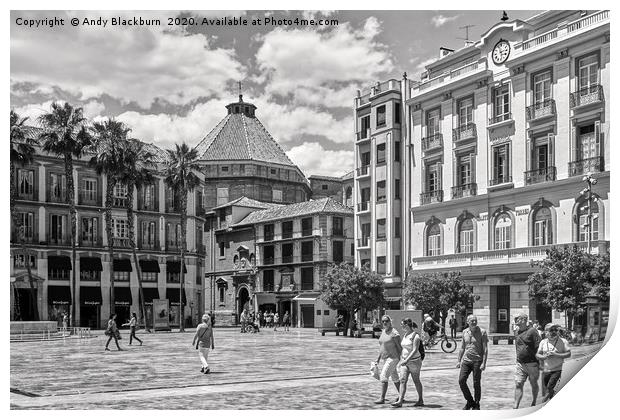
(299, 369)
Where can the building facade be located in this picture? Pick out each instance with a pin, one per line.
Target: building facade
(339, 189)
(43, 211)
(499, 136)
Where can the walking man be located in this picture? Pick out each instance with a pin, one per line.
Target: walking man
(552, 351)
(204, 336)
(527, 341)
(244, 319)
(286, 321)
(133, 322)
(472, 358)
(452, 324)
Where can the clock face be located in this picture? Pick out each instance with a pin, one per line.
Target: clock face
(501, 52)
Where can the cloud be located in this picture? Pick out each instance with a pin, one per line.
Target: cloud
(440, 20)
(313, 159)
(93, 109)
(133, 64)
(295, 62)
(422, 66)
(316, 14)
(34, 111)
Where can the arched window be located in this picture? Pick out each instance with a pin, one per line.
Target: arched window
(222, 291)
(235, 259)
(503, 231)
(433, 244)
(466, 236)
(252, 260)
(349, 197)
(543, 227)
(582, 217)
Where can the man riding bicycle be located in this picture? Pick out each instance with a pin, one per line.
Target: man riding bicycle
(430, 326)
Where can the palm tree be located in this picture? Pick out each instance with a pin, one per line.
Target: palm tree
(109, 136)
(22, 152)
(180, 175)
(137, 163)
(65, 135)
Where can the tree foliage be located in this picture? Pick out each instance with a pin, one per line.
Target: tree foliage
(437, 292)
(351, 288)
(567, 276)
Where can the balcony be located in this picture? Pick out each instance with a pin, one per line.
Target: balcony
(580, 167)
(362, 135)
(172, 207)
(363, 171)
(363, 206)
(432, 142)
(536, 176)
(306, 232)
(287, 259)
(89, 198)
(451, 76)
(592, 94)
(119, 202)
(173, 247)
(541, 110)
(32, 195)
(121, 243)
(91, 242)
(268, 236)
(500, 180)
(268, 260)
(499, 120)
(29, 238)
(465, 190)
(149, 244)
(464, 132)
(149, 205)
(431, 197)
(57, 196)
(307, 257)
(59, 240)
(363, 242)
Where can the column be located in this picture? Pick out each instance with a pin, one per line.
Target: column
(42, 184)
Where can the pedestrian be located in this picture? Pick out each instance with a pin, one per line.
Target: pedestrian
(410, 362)
(472, 358)
(390, 351)
(203, 340)
(527, 341)
(112, 332)
(276, 321)
(65, 323)
(259, 320)
(340, 322)
(269, 319)
(431, 327)
(244, 319)
(132, 328)
(452, 324)
(286, 321)
(552, 351)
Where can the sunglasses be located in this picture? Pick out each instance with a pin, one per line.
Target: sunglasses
(553, 330)
(385, 321)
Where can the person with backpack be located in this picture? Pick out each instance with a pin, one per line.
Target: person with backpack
(203, 341)
(410, 362)
(472, 358)
(112, 333)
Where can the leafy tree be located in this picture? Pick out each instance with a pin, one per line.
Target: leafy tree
(566, 277)
(22, 152)
(349, 288)
(437, 292)
(65, 135)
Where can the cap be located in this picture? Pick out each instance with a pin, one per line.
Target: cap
(552, 325)
(205, 317)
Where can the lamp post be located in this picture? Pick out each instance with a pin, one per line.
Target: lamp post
(589, 180)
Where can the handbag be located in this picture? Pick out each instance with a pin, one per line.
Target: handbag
(374, 370)
(118, 335)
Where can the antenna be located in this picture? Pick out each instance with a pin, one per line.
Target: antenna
(240, 95)
(466, 39)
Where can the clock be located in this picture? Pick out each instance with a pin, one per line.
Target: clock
(501, 51)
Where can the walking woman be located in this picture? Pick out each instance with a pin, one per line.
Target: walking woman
(390, 354)
(133, 322)
(112, 332)
(286, 321)
(410, 362)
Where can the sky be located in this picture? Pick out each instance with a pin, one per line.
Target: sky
(170, 84)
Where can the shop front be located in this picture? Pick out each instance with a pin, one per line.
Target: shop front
(90, 307)
(150, 294)
(122, 305)
(172, 294)
(59, 302)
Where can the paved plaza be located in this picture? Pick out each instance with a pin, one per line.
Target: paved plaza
(299, 369)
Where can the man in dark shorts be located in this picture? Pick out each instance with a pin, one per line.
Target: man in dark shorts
(472, 358)
(527, 341)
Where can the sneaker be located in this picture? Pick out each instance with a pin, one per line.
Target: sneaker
(380, 402)
(476, 406)
(202, 370)
(397, 404)
(107, 349)
(207, 370)
(468, 406)
(419, 404)
(140, 342)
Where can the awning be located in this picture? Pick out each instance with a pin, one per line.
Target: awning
(174, 267)
(149, 266)
(150, 293)
(90, 295)
(90, 264)
(59, 295)
(307, 296)
(172, 294)
(122, 296)
(122, 265)
(59, 262)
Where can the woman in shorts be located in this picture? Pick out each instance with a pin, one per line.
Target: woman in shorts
(390, 353)
(410, 362)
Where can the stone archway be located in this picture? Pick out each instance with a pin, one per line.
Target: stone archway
(243, 298)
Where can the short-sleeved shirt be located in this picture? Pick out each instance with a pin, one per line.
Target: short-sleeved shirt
(388, 344)
(526, 344)
(557, 344)
(204, 332)
(474, 342)
(410, 343)
(133, 321)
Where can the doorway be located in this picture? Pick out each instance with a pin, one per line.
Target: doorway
(123, 314)
(503, 309)
(89, 316)
(307, 316)
(242, 300)
(24, 311)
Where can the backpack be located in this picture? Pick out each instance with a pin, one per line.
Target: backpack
(421, 348)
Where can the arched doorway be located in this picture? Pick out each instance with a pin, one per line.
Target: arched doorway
(243, 298)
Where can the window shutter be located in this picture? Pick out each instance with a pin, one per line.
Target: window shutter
(597, 138)
(508, 159)
(472, 167)
(95, 228)
(574, 143)
(439, 181)
(551, 149)
(424, 179)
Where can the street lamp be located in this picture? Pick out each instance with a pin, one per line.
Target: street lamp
(589, 180)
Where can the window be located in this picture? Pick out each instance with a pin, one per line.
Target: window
(397, 227)
(306, 226)
(542, 227)
(148, 197)
(222, 196)
(91, 275)
(582, 212)
(588, 70)
(338, 251)
(173, 234)
(542, 86)
(466, 236)
(57, 273)
(397, 189)
(433, 240)
(503, 231)
(287, 253)
(365, 234)
(268, 276)
(25, 183)
(26, 220)
(173, 277)
(464, 169)
(324, 187)
(19, 261)
(307, 251)
(380, 190)
(121, 275)
(433, 121)
(148, 276)
(465, 111)
(222, 249)
(287, 229)
(268, 255)
(276, 196)
(273, 171)
(501, 103)
(269, 232)
(120, 190)
(90, 190)
(58, 187)
(380, 228)
(120, 229)
(307, 278)
(501, 164)
(149, 234)
(396, 265)
(221, 293)
(433, 177)
(396, 151)
(381, 265)
(57, 223)
(380, 153)
(338, 228)
(90, 227)
(365, 125)
(381, 116)
(588, 142)
(396, 113)
(365, 157)
(224, 168)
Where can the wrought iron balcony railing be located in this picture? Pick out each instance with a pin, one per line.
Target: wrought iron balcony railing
(587, 95)
(500, 118)
(364, 241)
(537, 176)
(464, 132)
(504, 179)
(580, 167)
(541, 109)
(363, 206)
(431, 197)
(363, 170)
(465, 190)
(432, 142)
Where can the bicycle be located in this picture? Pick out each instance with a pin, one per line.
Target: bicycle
(448, 344)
